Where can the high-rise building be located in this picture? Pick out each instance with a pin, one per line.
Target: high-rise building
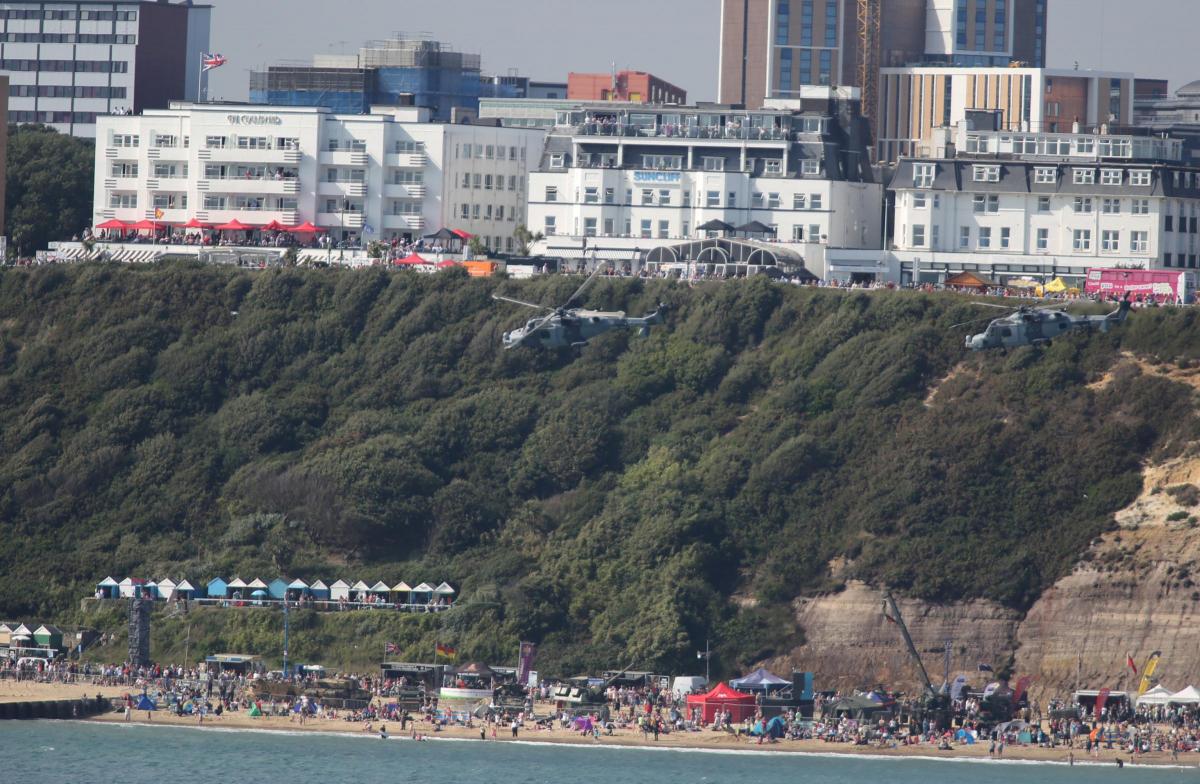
(772, 48)
(402, 71)
(70, 61)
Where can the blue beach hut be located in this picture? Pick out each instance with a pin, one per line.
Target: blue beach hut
(108, 588)
(217, 588)
(319, 590)
(185, 590)
(278, 588)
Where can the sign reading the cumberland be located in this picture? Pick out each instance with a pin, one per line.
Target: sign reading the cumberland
(255, 119)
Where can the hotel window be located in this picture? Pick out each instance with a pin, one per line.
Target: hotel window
(919, 201)
(980, 25)
(610, 227)
(487, 182)
(253, 143)
(1043, 239)
(165, 140)
(797, 234)
(589, 227)
(214, 202)
(814, 201)
(773, 201)
(549, 228)
(557, 160)
(1110, 241)
(591, 195)
(1084, 177)
(756, 200)
(782, 22)
(714, 163)
(647, 196)
(1139, 206)
(985, 237)
(124, 170)
(475, 211)
(125, 140)
(500, 212)
(1139, 242)
(918, 236)
(465, 212)
(124, 201)
(477, 181)
(773, 166)
(1082, 239)
(785, 69)
(610, 196)
(1140, 177)
(731, 203)
(1043, 203)
(646, 230)
(831, 22)
(664, 229)
(986, 203)
(712, 199)
(964, 237)
(1005, 237)
(1045, 175)
(466, 181)
(934, 237)
(923, 174)
(1110, 206)
(491, 152)
(664, 198)
(826, 61)
(1083, 204)
(1110, 176)
(810, 167)
(986, 173)
(551, 193)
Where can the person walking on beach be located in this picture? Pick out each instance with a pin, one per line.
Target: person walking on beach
(514, 729)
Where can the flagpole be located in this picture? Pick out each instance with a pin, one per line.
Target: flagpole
(200, 81)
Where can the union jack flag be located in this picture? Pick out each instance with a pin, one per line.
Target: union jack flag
(390, 648)
(212, 61)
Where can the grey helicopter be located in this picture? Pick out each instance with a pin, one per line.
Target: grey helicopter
(1029, 326)
(567, 327)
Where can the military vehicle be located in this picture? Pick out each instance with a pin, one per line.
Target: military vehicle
(567, 327)
(1028, 326)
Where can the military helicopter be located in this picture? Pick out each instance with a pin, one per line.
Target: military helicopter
(1027, 326)
(566, 327)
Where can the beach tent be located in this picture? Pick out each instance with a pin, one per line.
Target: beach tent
(278, 588)
(422, 594)
(1159, 695)
(319, 590)
(185, 590)
(1188, 696)
(109, 588)
(759, 680)
(165, 589)
(217, 588)
(688, 684)
(969, 280)
(146, 704)
(339, 590)
(1056, 286)
(738, 704)
(48, 636)
(401, 592)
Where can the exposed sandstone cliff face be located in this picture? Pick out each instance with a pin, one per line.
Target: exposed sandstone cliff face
(1137, 589)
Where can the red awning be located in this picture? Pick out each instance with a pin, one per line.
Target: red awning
(462, 235)
(144, 225)
(112, 224)
(235, 225)
(195, 224)
(412, 258)
(446, 264)
(275, 226)
(305, 228)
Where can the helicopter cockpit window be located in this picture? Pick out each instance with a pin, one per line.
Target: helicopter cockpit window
(1005, 332)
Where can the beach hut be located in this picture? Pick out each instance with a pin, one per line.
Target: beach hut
(256, 585)
(359, 591)
(339, 591)
(444, 593)
(319, 590)
(422, 594)
(298, 589)
(131, 586)
(380, 591)
(47, 636)
(5, 633)
(237, 587)
(217, 588)
(108, 588)
(165, 589)
(401, 592)
(278, 588)
(738, 704)
(185, 590)
(21, 636)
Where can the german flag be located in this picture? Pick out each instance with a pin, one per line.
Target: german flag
(449, 651)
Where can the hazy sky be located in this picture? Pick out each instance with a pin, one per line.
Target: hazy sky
(674, 39)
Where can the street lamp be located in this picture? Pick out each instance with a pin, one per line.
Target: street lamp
(705, 654)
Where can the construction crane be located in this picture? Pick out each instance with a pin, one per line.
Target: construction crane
(935, 703)
(869, 14)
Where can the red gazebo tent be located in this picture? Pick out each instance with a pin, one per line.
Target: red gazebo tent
(110, 225)
(739, 704)
(143, 225)
(275, 226)
(305, 228)
(234, 225)
(195, 224)
(412, 259)
(446, 264)
(462, 235)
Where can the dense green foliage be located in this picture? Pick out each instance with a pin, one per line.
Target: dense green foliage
(617, 507)
(49, 186)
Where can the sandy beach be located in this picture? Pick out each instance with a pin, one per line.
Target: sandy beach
(11, 691)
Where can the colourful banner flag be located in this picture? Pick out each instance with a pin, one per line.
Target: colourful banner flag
(1148, 672)
(211, 61)
(525, 662)
(1022, 687)
(448, 651)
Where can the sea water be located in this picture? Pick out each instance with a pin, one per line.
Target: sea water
(32, 752)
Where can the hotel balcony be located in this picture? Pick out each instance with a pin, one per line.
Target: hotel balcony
(239, 155)
(333, 220)
(403, 191)
(404, 222)
(344, 158)
(406, 160)
(355, 189)
(256, 185)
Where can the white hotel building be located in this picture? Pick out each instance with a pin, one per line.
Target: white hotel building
(386, 175)
(1006, 205)
(619, 179)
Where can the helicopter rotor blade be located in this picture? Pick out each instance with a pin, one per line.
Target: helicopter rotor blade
(534, 329)
(519, 302)
(972, 321)
(599, 266)
(990, 305)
